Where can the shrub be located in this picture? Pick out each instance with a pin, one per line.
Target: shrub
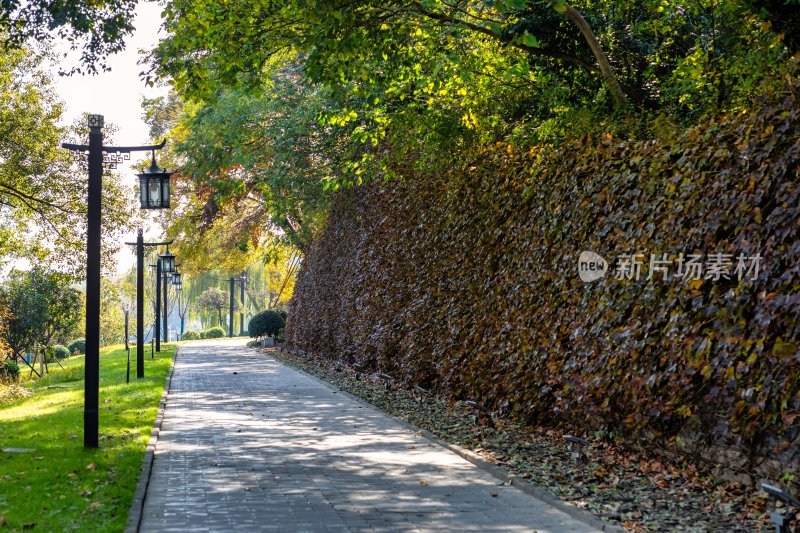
(190, 335)
(61, 352)
(266, 324)
(77, 346)
(9, 369)
(56, 351)
(213, 333)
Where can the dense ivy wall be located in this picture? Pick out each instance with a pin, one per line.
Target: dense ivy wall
(468, 282)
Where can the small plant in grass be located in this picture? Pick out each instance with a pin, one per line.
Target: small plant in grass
(266, 324)
(190, 335)
(213, 333)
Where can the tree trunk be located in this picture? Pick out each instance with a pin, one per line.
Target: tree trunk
(606, 71)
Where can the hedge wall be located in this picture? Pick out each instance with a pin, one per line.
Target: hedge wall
(468, 283)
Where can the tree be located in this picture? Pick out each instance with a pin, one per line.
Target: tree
(5, 350)
(44, 308)
(784, 15)
(40, 183)
(406, 86)
(341, 36)
(183, 307)
(250, 169)
(96, 30)
(361, 43)
(214, 299)
(112, 315)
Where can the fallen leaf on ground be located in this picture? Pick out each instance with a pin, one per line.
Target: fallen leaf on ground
(92, 507)
(91, 466)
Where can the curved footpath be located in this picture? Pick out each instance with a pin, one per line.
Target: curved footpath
(249, 444)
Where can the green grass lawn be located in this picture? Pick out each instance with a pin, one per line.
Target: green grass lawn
(60, 486)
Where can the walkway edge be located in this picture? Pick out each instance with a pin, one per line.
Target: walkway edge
(137, 505)
(495, 470)
(528, 488)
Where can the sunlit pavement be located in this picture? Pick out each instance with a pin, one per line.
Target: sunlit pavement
(248, 444)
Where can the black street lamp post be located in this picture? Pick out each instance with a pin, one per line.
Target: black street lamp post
(165, 314)
(242, 279)
(167, 262)
(96, 154)
(175, 281)
(157, 326)
(230, 312)
(233, 281)
(140, 245)
(127, 348)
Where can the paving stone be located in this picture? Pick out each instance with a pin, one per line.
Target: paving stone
(271, 449)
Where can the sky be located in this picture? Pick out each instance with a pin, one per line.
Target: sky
(117, 95)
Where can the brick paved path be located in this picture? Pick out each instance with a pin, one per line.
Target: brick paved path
(248, 444)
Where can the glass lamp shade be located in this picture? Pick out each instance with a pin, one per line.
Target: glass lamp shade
(154, 188)
(176, 279)
(167, 263)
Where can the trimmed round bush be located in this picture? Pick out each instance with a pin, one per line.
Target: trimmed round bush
(61, 352)
(213, 333)
(77, 346)
(190, 335)
(266, 324)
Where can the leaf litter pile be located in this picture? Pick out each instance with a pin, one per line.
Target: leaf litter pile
(640, 490)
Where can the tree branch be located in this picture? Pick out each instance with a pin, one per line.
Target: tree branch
(602, 60)
(19, 194)
(544, 52)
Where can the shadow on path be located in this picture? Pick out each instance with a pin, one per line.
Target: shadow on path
(248, 444)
